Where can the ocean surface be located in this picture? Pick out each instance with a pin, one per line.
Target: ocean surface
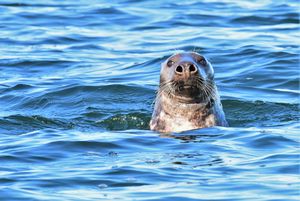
(77, 83)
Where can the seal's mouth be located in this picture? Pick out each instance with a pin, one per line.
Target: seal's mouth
(188, 86)
(182, 86)
(185, 87)
(189, 91)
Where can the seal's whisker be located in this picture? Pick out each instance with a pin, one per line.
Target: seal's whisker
(212, 95)
(206, 94)
(212, 88)
(208, 89)
(164, 87)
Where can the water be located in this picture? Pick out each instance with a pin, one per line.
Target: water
(77, 80)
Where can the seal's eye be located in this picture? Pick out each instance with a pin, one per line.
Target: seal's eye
(202, 61)
(170, 63)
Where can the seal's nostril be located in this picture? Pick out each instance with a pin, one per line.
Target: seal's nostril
(192, 68)
(179, 69)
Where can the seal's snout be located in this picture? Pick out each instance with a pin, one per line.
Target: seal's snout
(186, 68)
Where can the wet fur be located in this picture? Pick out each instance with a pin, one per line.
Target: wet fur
(179, 110)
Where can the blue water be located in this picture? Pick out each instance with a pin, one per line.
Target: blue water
(77, 83)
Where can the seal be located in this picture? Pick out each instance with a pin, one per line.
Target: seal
(187, 97)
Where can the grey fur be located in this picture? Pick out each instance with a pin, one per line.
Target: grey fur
(187, 98)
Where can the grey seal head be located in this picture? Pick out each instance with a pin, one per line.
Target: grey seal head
(187, 97)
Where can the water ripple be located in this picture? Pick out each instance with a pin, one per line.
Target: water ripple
(77, 84)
